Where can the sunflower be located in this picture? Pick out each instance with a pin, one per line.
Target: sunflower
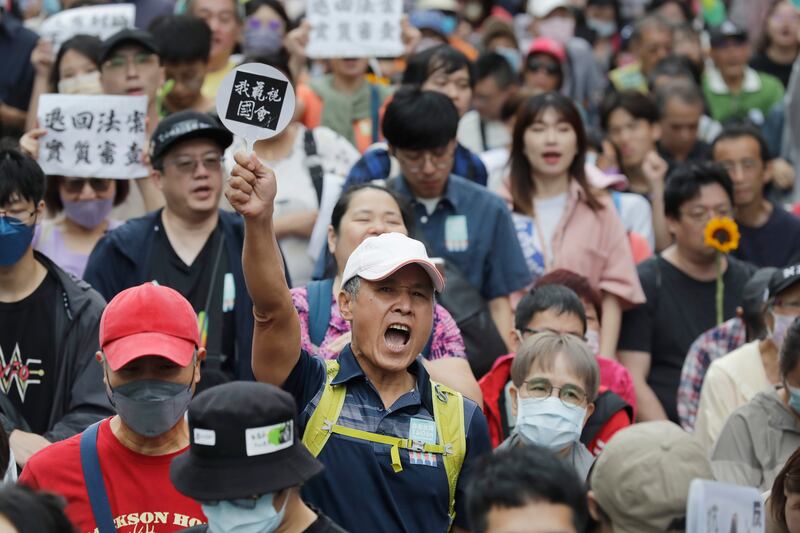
(722, 234)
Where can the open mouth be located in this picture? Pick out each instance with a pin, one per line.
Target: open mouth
(397, 336)
(551, 158)
(135, 91)
(203, 190)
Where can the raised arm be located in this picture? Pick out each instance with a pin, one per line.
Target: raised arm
(276, 335)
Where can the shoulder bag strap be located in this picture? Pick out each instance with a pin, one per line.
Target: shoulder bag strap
(93, 478)
(319, 309)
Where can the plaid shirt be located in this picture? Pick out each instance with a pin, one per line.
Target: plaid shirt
(375, 164)
(711, 345)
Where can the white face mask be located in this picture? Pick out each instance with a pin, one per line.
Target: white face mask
(593, 340)
(548, 422)
(780, 325)
(88, 83)
(560, 29)
(603, 28)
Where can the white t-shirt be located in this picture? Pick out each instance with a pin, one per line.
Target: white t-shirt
(548, 215)
(296, 190)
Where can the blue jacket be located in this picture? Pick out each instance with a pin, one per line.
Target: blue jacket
(121, 259)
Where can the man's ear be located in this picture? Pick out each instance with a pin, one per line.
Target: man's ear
(514, 393)
(40, 207)
(201, 356)
(157, 176)
(589, 411)
(331, 239)
(769, 172)
(516, 340)
(344, 300)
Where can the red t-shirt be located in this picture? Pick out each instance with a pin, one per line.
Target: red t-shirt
(140, 493)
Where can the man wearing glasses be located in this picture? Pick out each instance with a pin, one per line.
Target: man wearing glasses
(461, 221)
(190, 245)
(680, 286)
(49, 387)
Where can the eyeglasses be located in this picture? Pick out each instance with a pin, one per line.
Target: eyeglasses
(18, 217)
(188, 165)
(119, 63)
(541, 388)
(701, 215)
(415, 161)
(784, 304)
(76, 185)
(242, 503)
(550, 68)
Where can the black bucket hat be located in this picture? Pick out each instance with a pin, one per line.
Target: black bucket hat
(243, 441)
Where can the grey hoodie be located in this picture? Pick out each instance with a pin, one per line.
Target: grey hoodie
(80, 396)
(755, 442)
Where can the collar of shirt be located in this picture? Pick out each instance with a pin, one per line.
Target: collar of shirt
(751, 83)
(350, 370)
(452, 192)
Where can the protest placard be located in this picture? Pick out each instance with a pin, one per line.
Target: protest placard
(354, 28)
(714, 507)
(255, 101)
(102, 21)
(93, 136)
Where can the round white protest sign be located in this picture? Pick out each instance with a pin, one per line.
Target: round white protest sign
(255, 101)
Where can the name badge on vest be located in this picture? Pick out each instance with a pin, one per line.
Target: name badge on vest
(422, 431)
(456, 234)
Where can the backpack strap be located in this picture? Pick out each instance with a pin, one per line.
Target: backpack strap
(319, 426)
(374, 108)
(93, 478)
(319, 309)
(448, 413)
(313, 162)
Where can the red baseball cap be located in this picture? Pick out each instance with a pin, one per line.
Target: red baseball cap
(545, 45)
(148, 320)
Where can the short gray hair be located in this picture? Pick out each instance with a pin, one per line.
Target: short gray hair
(352, 286)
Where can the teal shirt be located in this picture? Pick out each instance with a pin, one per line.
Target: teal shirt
(759, 93)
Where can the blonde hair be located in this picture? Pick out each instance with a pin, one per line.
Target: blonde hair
(542, 350)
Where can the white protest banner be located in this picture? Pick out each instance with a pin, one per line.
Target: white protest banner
(255, 101)
(102, 21)
(715, 507)
(354, 28)
(93, 136)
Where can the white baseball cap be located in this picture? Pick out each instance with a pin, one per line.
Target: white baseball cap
(379, 257)
(542, 8)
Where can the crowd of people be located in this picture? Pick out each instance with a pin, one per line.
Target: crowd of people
(538, 273)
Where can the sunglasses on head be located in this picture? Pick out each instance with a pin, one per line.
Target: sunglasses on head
(550, 68)
(75, 185)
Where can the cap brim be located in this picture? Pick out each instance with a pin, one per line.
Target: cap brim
(110, 46)
(783, 285)
(206, 478)
(222, 137)
(430, 268)
(122, 351)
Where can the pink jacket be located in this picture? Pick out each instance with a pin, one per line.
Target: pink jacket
(594, 244)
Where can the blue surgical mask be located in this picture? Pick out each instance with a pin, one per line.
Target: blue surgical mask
(226, 516)
(15, 239)
(512, 55)
(794, 398)
(603, 28)
(548, 422)
(780, 325)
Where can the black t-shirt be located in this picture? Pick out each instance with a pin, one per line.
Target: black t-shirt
(28, 353)
(678, 310)
(774, 244)
(194, 282)
(763, 63)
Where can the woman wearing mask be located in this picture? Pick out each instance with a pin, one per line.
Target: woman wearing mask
(555, 380)
(780, 41)
(783, 505)
(560, 221)
(82, 210)
(365, 211)
(759, 437)
(73, 70)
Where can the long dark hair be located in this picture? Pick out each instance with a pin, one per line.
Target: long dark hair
(523, 186)
(764, 41)
(86, 45)
(788, 480)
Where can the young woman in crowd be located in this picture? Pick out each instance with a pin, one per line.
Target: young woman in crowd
(555, 380)
(561, 222)
(73, 70)
(783, 505)
(759, 437)
(365, 211)
(780, 41)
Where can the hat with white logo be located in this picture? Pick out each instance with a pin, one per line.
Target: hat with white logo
(379, 257)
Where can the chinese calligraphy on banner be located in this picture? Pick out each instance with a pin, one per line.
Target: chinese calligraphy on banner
(102, 21)
(355, 28)
(92, 136)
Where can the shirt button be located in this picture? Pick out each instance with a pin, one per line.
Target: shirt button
(424, 220)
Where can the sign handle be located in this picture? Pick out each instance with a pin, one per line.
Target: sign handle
(249, 146)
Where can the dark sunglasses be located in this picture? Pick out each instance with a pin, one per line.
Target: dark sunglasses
(551, 68)
(75, 186)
